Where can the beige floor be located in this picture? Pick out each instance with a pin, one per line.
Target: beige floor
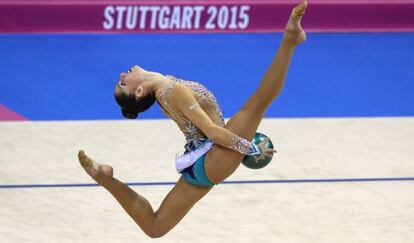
(143, 151)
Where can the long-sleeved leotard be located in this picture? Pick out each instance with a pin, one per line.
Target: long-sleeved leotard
(196, 112)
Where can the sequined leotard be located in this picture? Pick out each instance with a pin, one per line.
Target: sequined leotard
(206, 100)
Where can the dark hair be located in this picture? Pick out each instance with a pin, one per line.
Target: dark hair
(130, 106)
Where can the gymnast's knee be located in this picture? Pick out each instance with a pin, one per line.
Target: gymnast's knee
(155, 232)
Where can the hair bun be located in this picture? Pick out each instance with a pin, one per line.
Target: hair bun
(129, 115)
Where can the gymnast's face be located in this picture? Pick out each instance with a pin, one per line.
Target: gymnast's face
(131, 82)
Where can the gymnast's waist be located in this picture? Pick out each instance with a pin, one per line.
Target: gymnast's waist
(195, 143)
(190, 157)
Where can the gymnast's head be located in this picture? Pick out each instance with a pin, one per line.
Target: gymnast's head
(132, 93)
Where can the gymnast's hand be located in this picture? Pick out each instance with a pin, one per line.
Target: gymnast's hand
(266, 152)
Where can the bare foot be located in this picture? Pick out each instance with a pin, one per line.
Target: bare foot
(97, 171)
(294, 30)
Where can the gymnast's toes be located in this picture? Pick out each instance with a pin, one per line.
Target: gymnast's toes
(294, 30)
(84, 160)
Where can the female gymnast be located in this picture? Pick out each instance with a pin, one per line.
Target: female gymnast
(214, 150)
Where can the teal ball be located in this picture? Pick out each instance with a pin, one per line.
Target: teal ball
(254, 162)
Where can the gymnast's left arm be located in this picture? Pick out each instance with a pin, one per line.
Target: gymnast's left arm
(183, 99)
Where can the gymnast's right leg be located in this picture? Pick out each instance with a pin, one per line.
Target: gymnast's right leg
(222, 162)
(155, 224)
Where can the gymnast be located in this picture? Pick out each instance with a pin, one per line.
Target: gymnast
(214, 149)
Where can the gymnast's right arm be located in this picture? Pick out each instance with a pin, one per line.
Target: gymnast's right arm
(183, 99)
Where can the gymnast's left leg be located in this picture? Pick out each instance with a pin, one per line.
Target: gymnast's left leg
(175, 206)
(221, 162)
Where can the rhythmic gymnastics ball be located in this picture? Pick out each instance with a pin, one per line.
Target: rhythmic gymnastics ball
(254, 162)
